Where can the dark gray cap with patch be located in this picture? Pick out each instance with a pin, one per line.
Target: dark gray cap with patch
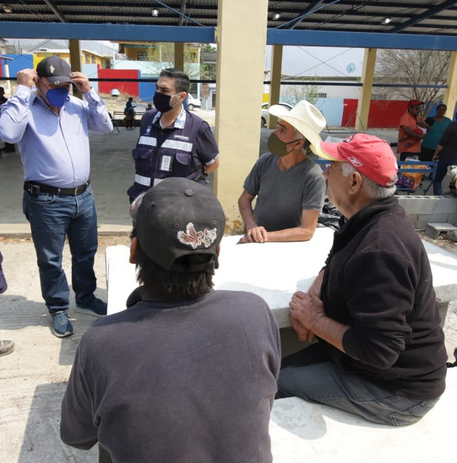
(179, 217)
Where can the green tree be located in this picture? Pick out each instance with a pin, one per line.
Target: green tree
(295, 93)
(164, 52)
(207, 70)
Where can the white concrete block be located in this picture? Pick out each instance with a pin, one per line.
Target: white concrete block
(434, 230)
(446, 204)
(304, 432)
(273, 271)
(418, 204)
(429, 218)
(452, 218)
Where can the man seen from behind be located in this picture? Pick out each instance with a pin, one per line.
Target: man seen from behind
(186, 373)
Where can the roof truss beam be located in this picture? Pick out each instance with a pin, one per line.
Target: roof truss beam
(425, 15)
(55, 10)
(186, 34)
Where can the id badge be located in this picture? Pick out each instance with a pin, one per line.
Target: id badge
(166, 163)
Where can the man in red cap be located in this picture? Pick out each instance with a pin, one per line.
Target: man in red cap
(381, 352)
(410, 133)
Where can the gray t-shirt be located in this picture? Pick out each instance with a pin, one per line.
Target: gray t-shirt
(282, 196)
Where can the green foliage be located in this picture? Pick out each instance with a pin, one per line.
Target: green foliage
(295, 93)
(164, 52)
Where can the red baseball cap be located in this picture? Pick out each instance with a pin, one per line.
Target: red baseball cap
(368, 154)
(415, 103)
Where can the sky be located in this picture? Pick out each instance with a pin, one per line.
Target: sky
(319, 61)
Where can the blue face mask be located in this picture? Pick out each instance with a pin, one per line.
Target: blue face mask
(57, 96)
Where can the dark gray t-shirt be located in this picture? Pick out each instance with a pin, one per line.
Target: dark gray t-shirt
(282, 196)
(449, 142)
(184, 382)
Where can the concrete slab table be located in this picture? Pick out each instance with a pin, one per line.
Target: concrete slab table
(303, 432)
(274, 271)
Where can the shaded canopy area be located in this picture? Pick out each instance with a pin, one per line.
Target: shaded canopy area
(375, 16)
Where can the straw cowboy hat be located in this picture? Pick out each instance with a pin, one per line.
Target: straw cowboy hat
(304, 117)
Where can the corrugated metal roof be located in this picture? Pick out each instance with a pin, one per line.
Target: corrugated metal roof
(435, 17)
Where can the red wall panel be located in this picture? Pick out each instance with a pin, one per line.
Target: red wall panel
(384, 114)
(130, 88)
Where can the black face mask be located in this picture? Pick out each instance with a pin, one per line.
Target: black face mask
(278, 147)
(162, 102)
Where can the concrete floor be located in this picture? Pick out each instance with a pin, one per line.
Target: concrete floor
(33, 378)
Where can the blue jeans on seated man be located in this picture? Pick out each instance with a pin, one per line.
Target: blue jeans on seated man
(52, 218)
(310, 374)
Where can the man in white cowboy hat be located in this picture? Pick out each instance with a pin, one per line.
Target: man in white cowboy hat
(289, 186)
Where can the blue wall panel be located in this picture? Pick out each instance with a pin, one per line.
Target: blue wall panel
(91, 71)
(18, 63)
(147, 88)
(332, 109)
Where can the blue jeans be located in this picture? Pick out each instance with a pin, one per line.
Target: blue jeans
(311, 376)
(52, 218)
(441, 171)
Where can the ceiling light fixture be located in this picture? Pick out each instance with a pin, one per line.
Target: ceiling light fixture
(7, 9)
(276, 16)
(386, 21)
(155, 12)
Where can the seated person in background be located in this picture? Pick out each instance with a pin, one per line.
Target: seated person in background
(186, 373)
(288, 185)
(409, 132)
(381, 352)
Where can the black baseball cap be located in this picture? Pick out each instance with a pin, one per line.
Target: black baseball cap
(55, 69)
(179, 217)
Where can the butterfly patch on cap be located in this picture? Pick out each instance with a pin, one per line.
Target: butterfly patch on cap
(193, 238)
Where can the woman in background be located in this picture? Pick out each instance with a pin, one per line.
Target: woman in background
(438, 124)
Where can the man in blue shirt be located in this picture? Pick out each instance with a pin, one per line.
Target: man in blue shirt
(51, 129)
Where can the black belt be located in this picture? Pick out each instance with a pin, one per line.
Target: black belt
(35, 188)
